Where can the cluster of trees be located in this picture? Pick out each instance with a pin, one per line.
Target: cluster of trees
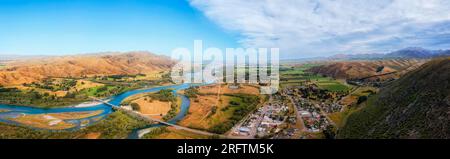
(361, 99)
(191, 92)
(35, 98)
(234, 103)
(166, 78)
(172, 112)
(2, 89)
(155, 132)
(213, 111)
(165, 95)
(117, 125)
(49, 84)
(380, 68)
(313, 92)
(106, 90)
(135, 106)
(102, 89)
(66, 84)
(241, 105)
(330, 132)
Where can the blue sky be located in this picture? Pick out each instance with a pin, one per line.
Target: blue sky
(309, 28)
(55, 27)
(300, 28)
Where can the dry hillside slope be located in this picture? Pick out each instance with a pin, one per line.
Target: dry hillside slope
(26, 71)
(415, 106)
(360, 69)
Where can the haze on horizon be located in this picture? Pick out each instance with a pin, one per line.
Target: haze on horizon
(299, 28)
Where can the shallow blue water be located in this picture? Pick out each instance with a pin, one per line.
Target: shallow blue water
(15, 110)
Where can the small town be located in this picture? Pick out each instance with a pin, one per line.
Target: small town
(265, 121)
(310, 106)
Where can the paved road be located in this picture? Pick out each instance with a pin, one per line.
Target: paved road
(299, 118)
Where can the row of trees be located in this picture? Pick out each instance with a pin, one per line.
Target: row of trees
(49, 84)
(191, 92)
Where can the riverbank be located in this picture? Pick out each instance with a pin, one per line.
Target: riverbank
(116, 126)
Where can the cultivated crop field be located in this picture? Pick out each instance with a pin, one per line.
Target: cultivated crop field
(298, 75)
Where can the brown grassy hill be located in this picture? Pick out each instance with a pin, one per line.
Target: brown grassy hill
(26, 71)
(360, 69)
(415, 106)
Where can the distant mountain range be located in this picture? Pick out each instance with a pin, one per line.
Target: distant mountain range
(410, 52)
(9, 57)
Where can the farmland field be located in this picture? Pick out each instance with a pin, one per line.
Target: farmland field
(298, 75)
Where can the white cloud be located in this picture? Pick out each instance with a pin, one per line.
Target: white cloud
(324, 27)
